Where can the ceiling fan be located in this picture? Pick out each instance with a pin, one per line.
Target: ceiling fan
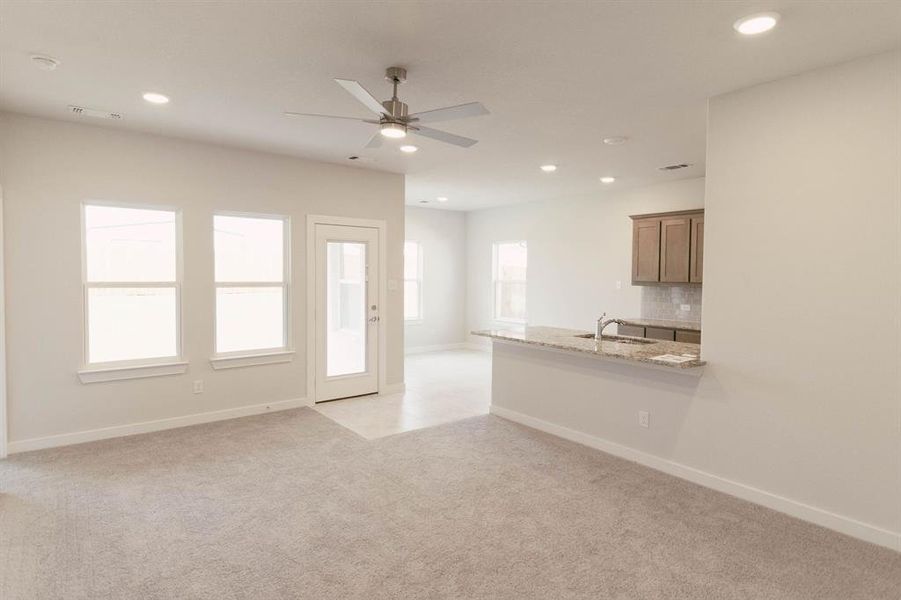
(393, 119)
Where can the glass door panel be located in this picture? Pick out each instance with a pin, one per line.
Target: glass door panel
(346, 308)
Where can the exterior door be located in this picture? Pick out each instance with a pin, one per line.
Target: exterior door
(347, 311)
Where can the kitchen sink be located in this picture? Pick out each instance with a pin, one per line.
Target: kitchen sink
(619, 339)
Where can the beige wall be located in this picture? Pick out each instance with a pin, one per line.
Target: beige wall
(802, 280)
(799, 407)
(442, 234)
(47, 168)
(578, 249)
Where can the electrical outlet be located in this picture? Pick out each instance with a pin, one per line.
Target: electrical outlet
(198, 386)
(685, 307)
(644, 419)
(619, 285)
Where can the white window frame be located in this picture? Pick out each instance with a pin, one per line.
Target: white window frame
(261, 356)
(418, 280)
(495, 281)
(142, 367)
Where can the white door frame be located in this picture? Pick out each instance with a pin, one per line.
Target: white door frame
(382, 323)
(4, 441)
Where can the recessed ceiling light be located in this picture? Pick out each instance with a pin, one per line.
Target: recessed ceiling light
(441, 199)
(756, 23)
(548, 168)
(408, 149)
(608, 179)
(615, 140)
(44, 62)
(156, 98)
(393, 130)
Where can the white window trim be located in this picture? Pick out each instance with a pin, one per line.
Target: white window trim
(257, 356)
(132, 369)
(419, 277)
(137, 371)
(247, 359)
(495, 281)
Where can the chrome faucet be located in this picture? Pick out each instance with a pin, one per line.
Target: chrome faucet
(602, 324)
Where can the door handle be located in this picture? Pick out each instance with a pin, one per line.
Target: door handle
(373, 319)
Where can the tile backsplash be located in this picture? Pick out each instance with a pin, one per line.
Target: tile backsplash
(666, 302)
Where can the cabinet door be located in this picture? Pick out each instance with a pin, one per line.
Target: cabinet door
(690, 337)
(659, 333)
(631, 330)
(675, 242)
(645, 250)
(697, 249)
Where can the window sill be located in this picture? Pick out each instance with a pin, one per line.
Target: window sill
(97, 375)
(250, 360)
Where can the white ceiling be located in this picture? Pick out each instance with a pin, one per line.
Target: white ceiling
(556, 76)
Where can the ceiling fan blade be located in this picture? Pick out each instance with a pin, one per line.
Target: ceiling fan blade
(443, 136)
(473, 109)
(359, 92)
(297, 114)
(376, 141)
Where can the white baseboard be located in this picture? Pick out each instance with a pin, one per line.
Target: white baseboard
(92, 435)
(435, 348)
(805, 512)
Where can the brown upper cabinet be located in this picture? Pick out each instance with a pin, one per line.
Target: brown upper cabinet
(668, 247)
(645, 250)
(696, 274)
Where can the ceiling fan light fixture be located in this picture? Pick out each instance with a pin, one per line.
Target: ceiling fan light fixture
(393, 130)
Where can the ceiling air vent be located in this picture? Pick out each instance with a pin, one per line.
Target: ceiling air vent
(82, 111)
(674, 167)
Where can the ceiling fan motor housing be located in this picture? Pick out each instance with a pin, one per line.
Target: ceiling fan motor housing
(395, 109)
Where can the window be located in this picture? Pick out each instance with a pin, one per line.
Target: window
(510, 261)
(251, 283)
(412, 281)
(132, 285)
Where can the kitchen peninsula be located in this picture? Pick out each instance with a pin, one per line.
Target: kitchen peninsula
(623, 395)
(649, 353)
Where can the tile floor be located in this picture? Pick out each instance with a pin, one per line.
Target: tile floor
(441, 387)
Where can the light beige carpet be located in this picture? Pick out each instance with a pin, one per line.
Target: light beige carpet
(291, 505)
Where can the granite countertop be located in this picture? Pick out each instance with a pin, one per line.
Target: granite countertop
(663, 323)
(609, 348)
